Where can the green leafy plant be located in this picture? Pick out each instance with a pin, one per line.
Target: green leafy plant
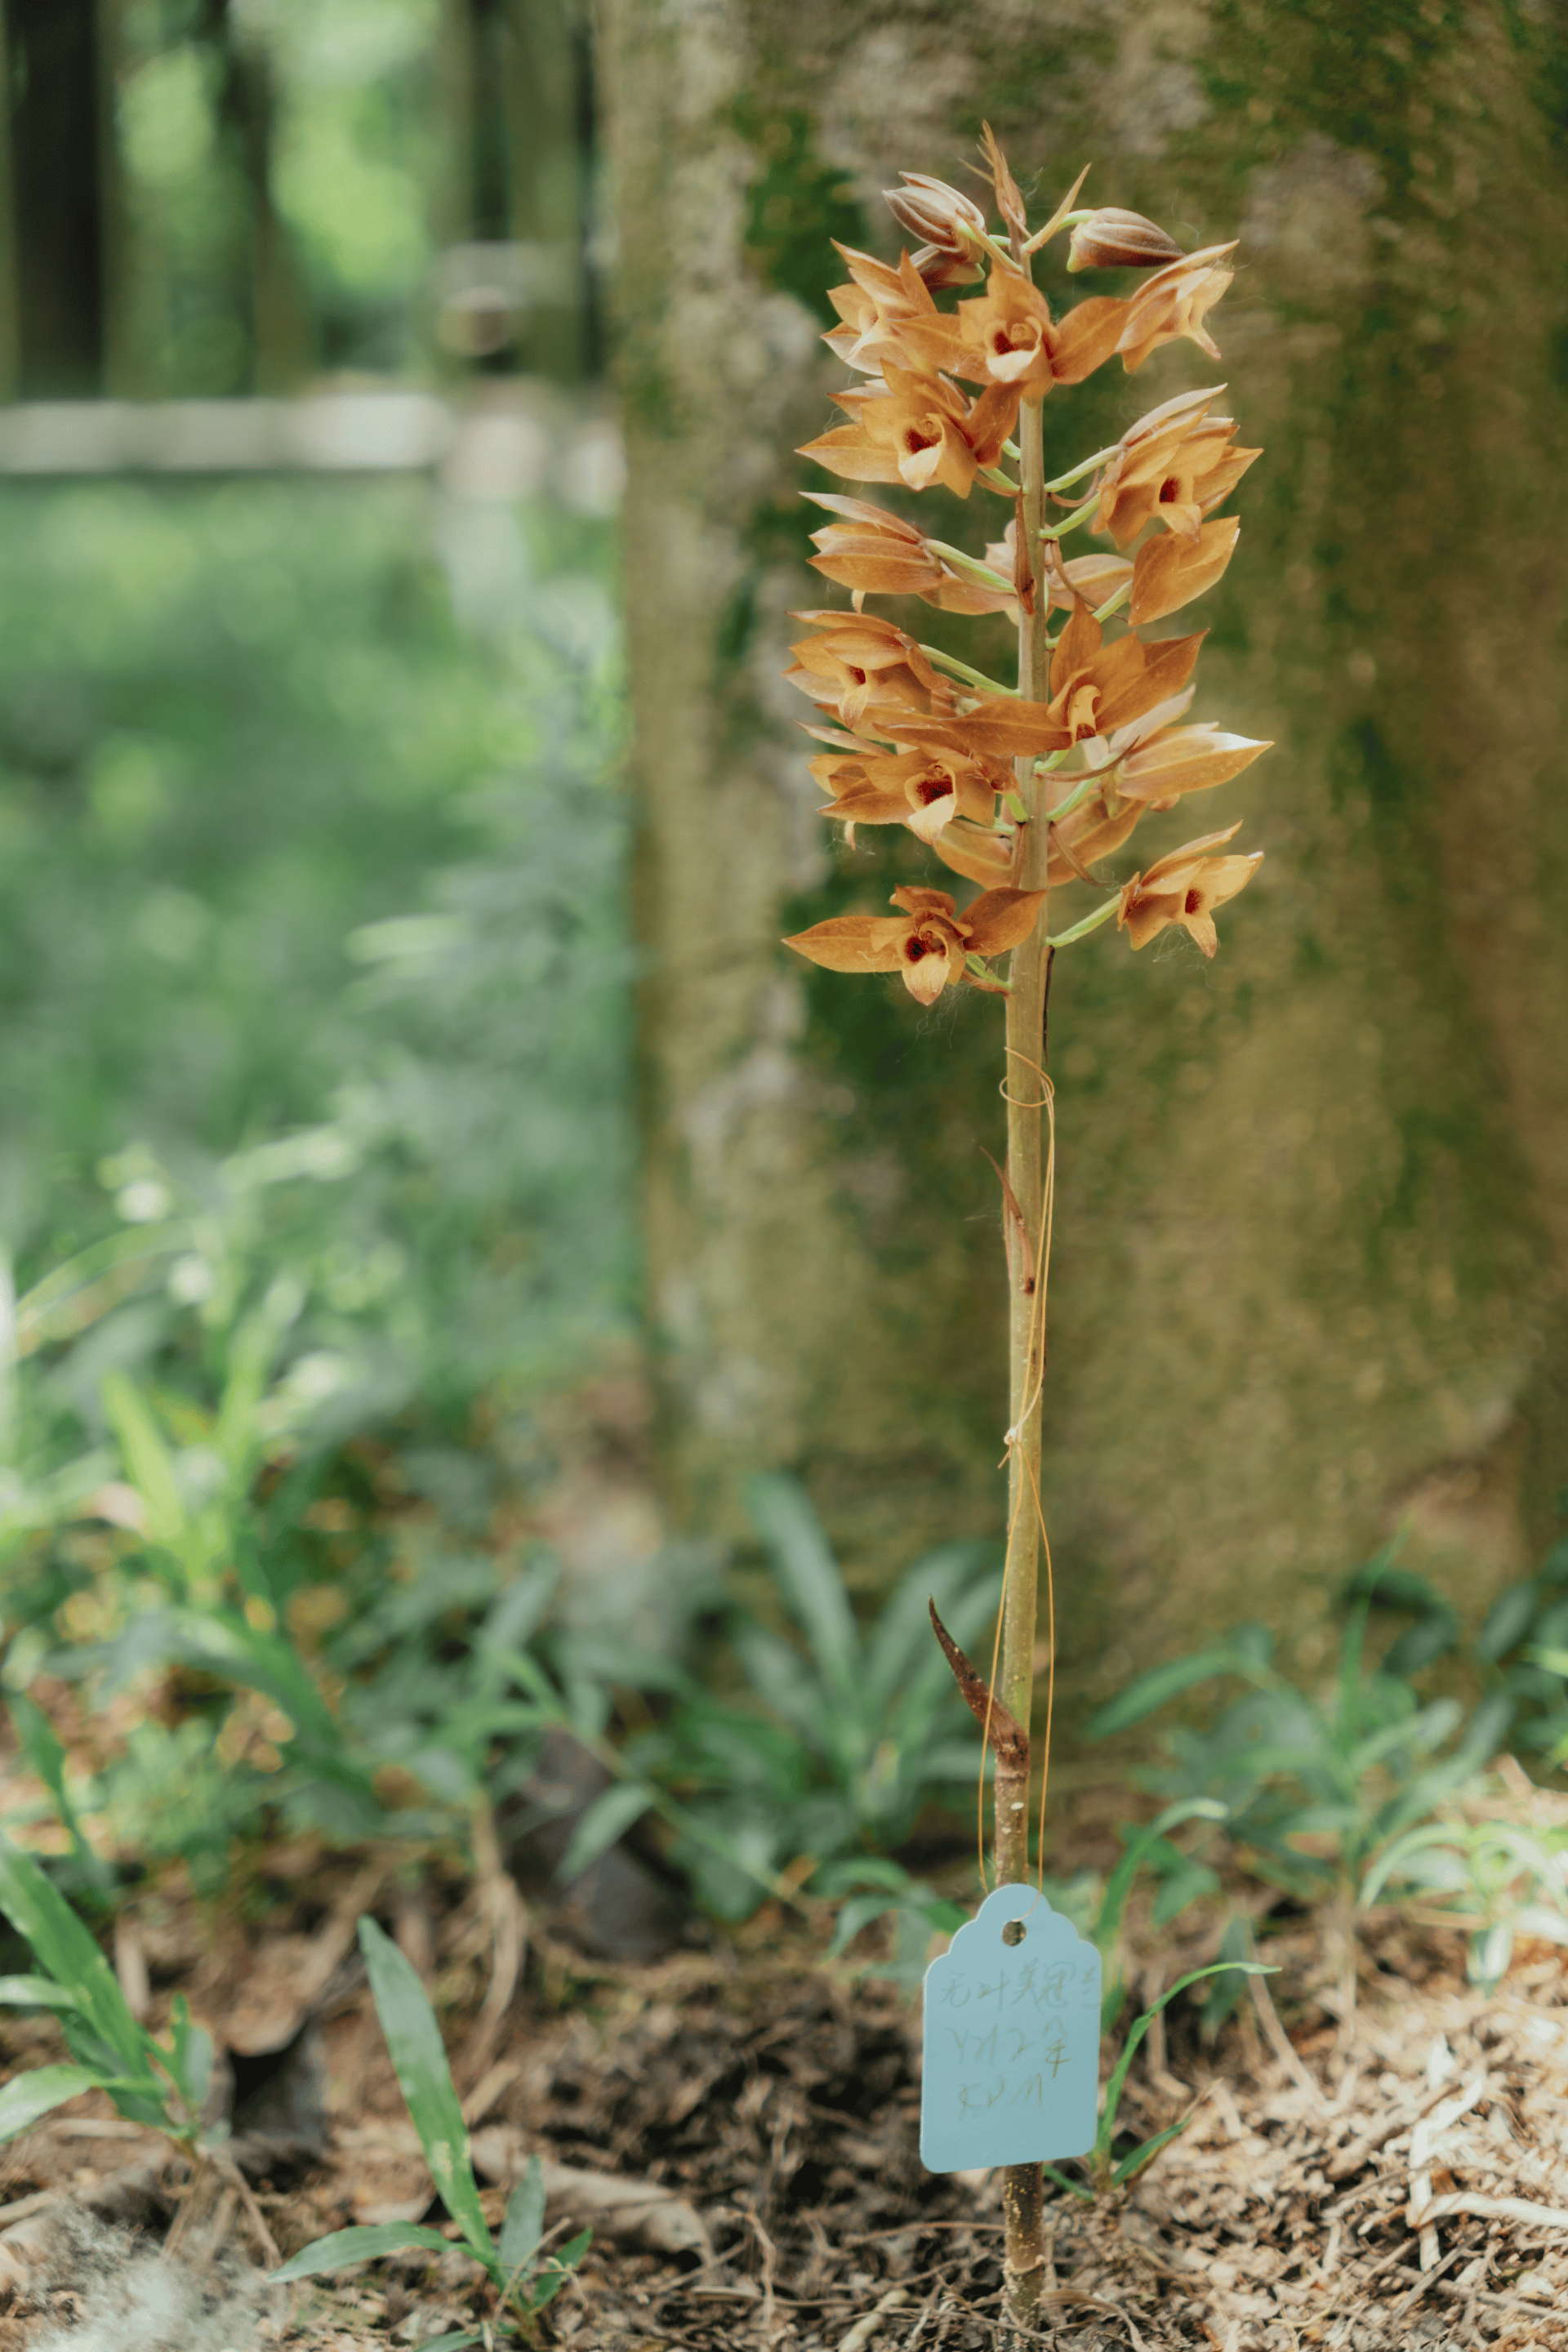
(160, 2083)
(525, 2274)
(847, 1739)
(1314, 1786)
(1496, 1879)
(1105, 2169)
(1523, 1643)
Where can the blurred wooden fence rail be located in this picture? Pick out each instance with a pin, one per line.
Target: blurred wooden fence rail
(515, 438)
(206, 197)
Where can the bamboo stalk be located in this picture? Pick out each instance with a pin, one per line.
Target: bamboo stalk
(1023, 2191)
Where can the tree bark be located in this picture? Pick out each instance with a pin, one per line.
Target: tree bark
(56, 195)
(1311, 1226)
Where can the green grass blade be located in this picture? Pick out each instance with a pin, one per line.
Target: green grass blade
(809, 1582)
(524, 2224)
(1147, 2151)
(560, 2268)
(613, 1811)
(1073, 2187)
(1120, 1884)
(149, 1465)
(364, 2244)
(413, 2040)
(1139, 2027)
(38, 1910)
(1168, 1681)
(25, 2097)
(48, 1758)
(35, 1992)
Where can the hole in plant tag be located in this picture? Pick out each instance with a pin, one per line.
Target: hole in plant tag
(1011, 2039)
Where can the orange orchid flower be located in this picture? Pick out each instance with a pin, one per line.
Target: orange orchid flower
(1096, 687)
(989, 857)
(1012, 340)
(928, 943)
(1090, 832)
(1174, 467)
(916, 429)
(1172, 305)
(1180, 759)
(1171, 570)
(923, 790)
(1184, 888)
(856, 660)
(878, 553)
(888, 316)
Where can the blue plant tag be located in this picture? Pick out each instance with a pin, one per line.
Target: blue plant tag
(1012, 2039)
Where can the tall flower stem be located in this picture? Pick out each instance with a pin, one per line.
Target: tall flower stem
(1022, 2187)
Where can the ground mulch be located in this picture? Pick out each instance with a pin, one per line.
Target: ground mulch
(1394, 2176)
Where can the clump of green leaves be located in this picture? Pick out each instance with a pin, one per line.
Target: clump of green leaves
(1496, 1879)
(525, 2274)
(1524, 1644)
(1106, 2171)
(848, 1735)
(1314, 1785)
(163, 2085)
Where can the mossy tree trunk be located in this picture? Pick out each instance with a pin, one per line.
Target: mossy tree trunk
(1311, 1213)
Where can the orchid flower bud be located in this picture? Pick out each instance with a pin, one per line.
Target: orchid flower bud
(1111, 240)
(935, 213)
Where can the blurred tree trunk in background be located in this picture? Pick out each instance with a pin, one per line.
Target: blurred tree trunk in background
(10, 324)
(57, 228)
(1312, 1214)
(268, 294)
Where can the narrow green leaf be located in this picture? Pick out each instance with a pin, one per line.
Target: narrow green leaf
(222, 1642)
(613, 1811)
(35, 1992)
(25, 2097)
(1507, 1621)
(48, 1758)
(365, 2244)
(1107, 1927)
(1161, 1683)
(857, 1912)
(191, 2054)
(524, 2224)
(1073, 2187)
(38, 1911)
(1139, 2027)
(413, 2040)
(1148, 2150)
(809, 1582)
(558, 2270)
(148, 1463)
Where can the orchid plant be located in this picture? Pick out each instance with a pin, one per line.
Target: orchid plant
(1022, 789)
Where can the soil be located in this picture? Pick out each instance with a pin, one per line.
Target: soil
(773, 2102)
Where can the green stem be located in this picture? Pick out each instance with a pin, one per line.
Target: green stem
(971, 563)
(995, 479)
(1080, 793)
(1101, 914)
(1114, 603)
(1066, 481)
(1070, 522)
(962, 669)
